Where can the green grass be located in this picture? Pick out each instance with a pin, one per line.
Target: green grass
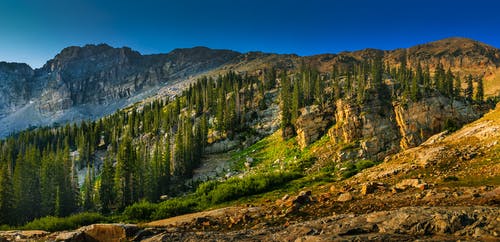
(266, 151)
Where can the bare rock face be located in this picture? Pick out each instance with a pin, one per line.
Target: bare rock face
(312, 123)
(92, 81)
(420, 120)
(377, 128)
(15, 86)
(100, 73)
(371, 122)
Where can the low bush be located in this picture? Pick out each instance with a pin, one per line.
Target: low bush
(363, 164)
(141, 211)
(234, 188)
(174, 207)
(450, 178)
(67, 223)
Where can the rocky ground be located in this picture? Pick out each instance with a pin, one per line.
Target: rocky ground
(406, 211)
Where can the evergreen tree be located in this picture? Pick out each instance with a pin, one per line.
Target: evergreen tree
(6, 194)
(296, 98)
(286, 114)
(479, 97)
(469, 88)
(457, 86)
(165, 168)
(123, 173)
(27, 185)
(106, 192)
(88, 189)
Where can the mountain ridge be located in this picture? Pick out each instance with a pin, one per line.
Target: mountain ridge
(97, 75)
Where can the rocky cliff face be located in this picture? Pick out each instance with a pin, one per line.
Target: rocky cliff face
(16, 86)
(420, 120)
(99, 74)
(377, 128)
(369, 128)
(312, 123)
(92, 81)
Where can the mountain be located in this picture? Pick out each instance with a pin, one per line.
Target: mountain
(89, 82)
(364, 145)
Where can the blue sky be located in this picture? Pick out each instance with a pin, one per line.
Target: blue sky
(33, 31)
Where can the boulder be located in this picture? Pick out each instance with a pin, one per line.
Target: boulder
(345, 197)
(411, 183)
(71, 236)
(371, 187)
(108, 232)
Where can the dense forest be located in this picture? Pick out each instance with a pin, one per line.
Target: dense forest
(149, 150)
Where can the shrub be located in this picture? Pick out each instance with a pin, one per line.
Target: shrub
(234, 188)
(174, 207)
(141, 211)
(450, 178)
(67, 223)
(450, 125)
(348, 171)
(363, 164)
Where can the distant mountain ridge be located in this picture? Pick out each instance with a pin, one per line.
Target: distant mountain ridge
(94, 80)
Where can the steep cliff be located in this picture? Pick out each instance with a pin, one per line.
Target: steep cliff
(420, 120)
(376, 127)
(368, 128)
(16, 86)
(94, 80)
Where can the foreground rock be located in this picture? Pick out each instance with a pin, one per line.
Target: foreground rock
(424, 223)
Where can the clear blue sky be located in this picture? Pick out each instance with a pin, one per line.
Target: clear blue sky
(33, 31)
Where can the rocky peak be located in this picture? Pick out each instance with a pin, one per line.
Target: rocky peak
(91, 57)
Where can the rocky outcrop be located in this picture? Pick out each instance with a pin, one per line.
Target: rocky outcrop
(377, 128)
(371, 124)
(312, 124)
(420, 120)
(409, 223)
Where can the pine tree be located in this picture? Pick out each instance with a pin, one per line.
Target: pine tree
(448, 83)
(165, 167)
(286, 114)
(6, 194)
(377, 73)
(469, 88)
(106, 192)
(296, 98)
(123, 172)
(88, 190)
(457, 86)
(479, 97)
(27, 185)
